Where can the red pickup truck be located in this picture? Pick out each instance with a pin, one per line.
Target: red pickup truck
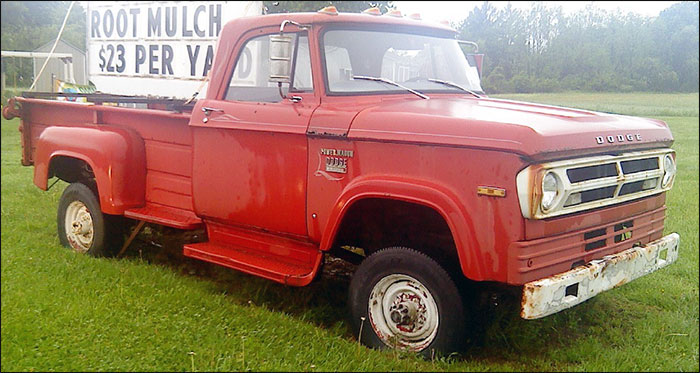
(366, 137)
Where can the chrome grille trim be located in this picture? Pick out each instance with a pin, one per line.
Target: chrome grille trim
(528, 181)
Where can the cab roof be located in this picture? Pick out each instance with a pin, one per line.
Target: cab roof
(320, 18)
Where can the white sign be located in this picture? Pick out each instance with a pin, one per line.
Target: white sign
(159, 48)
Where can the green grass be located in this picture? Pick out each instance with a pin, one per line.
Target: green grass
(643, 104)
(155, 310)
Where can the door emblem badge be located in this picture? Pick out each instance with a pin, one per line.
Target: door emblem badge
(336, 161)
(335, 164)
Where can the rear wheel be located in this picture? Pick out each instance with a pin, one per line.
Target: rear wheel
(83, 227)
(403, 299)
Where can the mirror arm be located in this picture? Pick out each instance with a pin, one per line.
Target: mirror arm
(476, 46)
(285, 97)
(297, 24)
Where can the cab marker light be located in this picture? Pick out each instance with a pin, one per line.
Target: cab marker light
(331, 10)
(374, 11)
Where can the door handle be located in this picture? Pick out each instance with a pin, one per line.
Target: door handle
(208, 110)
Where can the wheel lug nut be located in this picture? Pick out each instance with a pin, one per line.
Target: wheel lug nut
(396, 317)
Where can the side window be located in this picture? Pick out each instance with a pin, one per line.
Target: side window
(252, 71)
(302, 67)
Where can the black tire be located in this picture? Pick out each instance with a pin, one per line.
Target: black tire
(385, 266)
(104, 238)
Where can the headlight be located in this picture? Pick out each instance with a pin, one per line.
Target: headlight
(551, 190)
(669, 170)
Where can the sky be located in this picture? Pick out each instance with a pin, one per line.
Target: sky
(456, 11)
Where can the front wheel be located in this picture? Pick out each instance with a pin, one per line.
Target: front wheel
(401, 298)
(83, 227)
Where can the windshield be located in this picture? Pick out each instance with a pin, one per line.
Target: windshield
(409, 59)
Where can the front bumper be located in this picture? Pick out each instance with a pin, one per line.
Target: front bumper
(556, 293)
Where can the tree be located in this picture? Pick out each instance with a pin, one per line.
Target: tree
(676, 35)
(481, 27)
(27, 25)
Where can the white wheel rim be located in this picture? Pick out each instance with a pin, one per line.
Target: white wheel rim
(78, 226)
(403, 313)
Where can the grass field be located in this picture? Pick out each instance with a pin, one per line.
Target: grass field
(157, 311)
(640, 104)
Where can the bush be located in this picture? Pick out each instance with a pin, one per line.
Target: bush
(522, 84)
(547, 85)
(496, 82)
(8, 93)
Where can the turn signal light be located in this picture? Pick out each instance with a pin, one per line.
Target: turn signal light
(395, 13)
(415, 16)
(491, 191)
(329, 10)
(373, 11)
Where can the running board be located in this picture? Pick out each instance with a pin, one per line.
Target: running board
(286, 261)
(272, 268)
(165, 215)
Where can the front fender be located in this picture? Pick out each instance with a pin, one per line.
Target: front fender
(116, 155)
(420, 192)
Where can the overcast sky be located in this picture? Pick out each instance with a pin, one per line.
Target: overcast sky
(455, 11)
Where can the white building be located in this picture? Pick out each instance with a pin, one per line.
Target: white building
(56, 68)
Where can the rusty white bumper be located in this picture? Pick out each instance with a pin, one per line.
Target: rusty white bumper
(556, 293)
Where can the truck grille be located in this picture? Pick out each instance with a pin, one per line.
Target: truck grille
(610, 180)
(598, 181)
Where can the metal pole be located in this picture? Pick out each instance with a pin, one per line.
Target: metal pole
(53, 49)
(131, 237)
(70, 71)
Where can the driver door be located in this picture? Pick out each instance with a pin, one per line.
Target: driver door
(250, 149)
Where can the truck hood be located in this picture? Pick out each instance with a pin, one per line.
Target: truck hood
(532, 130)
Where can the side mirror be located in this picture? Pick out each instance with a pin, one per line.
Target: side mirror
(280, 58)
(476, 59)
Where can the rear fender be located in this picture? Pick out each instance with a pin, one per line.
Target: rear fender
(116, 155)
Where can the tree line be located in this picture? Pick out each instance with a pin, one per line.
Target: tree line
(544, 50)
(540, 49)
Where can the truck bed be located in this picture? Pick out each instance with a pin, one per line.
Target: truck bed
(167, 140)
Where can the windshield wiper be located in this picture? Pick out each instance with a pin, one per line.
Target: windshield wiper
(387, 81)
(445, 82)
